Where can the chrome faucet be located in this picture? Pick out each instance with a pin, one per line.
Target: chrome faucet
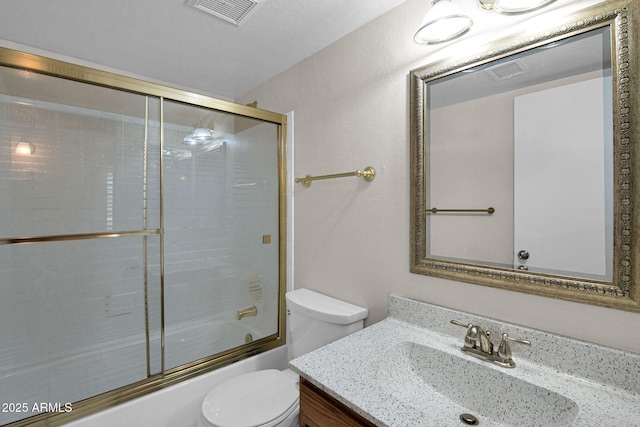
(477, 343)
(247, 312)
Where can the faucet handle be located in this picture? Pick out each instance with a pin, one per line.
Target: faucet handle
(476, 337)
(471, 337)
(464, 325)
(504, 350)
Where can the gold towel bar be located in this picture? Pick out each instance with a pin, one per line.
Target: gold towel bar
(368, 174)
(436, 210)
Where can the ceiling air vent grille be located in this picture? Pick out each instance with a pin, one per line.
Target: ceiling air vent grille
(232, 11)
(507, 70)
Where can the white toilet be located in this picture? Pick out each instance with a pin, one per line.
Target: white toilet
(270, 398)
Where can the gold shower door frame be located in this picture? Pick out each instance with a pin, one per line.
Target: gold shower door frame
(24, 61)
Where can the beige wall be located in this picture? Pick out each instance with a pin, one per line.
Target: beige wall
(351, 237)
(471, 167)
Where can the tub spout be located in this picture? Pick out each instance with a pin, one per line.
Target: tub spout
(247, 312)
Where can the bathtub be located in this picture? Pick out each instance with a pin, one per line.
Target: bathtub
(187, 343)
(77, 375)
(179, 405)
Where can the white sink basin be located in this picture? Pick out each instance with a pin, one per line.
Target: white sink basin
(426, 378)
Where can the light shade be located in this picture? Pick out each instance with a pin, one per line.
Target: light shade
(202, 135)
(513, 6)
(443, 22)
(188, 140)
(25, 148)
(199, 136)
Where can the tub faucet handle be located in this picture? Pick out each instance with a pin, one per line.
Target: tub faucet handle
(247, 312)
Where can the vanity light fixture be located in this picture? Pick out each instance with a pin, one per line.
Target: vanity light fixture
(25, 148)
(443, 22)
(509, 7)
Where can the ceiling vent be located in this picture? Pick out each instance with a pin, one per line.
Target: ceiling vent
(507, 70)
(232, 11)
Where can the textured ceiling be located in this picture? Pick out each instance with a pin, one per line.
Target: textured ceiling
(167, 41)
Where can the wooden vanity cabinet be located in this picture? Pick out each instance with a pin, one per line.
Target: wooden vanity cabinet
(318, 409)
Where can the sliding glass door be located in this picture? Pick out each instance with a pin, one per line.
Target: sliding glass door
(220, 199)
(140, 240)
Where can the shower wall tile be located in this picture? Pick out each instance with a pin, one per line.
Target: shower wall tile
(93, 124)
(21, 115)
(69, 121)
(82, 177)
(133, 130)
(45, 118)
(30, 386)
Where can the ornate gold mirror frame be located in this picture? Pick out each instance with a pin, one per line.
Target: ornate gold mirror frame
(623, 292)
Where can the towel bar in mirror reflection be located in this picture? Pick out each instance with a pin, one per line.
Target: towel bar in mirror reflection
(436, 210)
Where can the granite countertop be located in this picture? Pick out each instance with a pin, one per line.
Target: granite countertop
(603, 382)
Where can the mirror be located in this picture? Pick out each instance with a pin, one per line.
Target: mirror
(522, 167)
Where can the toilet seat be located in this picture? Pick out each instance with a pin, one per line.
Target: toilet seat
(256, 399)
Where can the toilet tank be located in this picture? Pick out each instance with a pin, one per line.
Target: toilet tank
(315, 320)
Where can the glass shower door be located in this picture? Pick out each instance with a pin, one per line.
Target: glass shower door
(141, 237)
(74, 237)
(220, 198)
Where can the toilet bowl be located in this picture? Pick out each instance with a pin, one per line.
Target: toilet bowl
(270, 398)
(266, 398)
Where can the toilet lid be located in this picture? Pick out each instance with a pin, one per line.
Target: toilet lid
(251, 400)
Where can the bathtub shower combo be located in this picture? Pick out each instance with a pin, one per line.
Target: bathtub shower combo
(141, 237)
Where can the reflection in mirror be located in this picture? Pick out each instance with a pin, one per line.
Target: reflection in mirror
(539, 150)
(523, 166)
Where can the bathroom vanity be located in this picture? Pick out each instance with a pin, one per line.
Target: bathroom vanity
(318, 409)
(409, 370)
